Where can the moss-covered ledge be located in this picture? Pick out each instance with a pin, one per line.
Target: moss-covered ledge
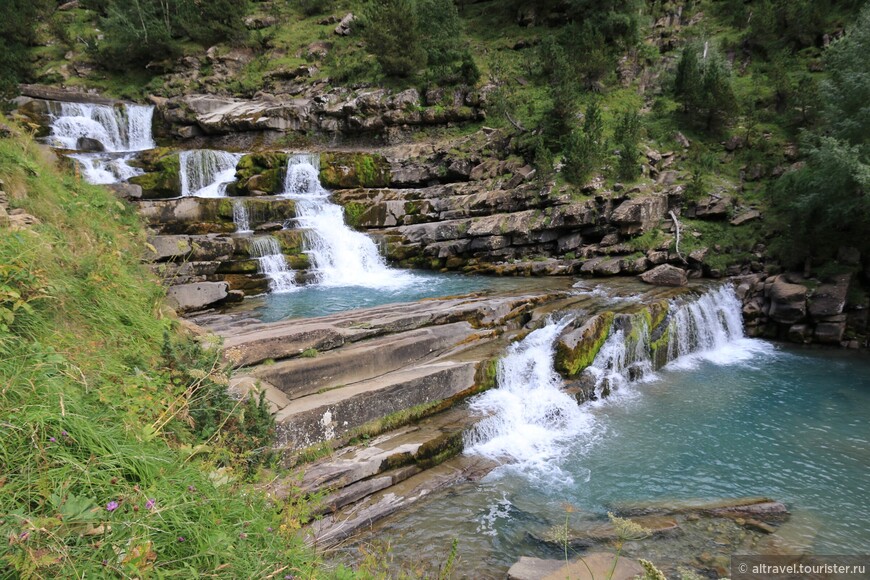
(347, 170)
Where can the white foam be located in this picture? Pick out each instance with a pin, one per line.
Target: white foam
(528, 419)
(105, 168)
(340, 256)
(207, 172)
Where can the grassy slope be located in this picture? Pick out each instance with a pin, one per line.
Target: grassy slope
(84, 397)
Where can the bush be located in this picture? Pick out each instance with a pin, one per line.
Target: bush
(703, 86)
(627, 135)
(391, 32)
(584, 148)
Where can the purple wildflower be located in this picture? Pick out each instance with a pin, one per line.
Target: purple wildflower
(269, 529)
(243, 535)
(180, 538)
(149, 505)
(112, 506)
(105, 562)
(64, 433)
(24, 535)
(191, 488)
(52, 439)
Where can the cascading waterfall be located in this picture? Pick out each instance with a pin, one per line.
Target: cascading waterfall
(207, 172)
(528, 417)
(340, 256)
(272, 264)
(710, 327)
(241, 217)
(117, 128)
(106, 168)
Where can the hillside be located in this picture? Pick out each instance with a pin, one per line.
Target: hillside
(122, 454)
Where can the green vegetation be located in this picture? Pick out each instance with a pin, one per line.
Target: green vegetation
(122, 453)
(16, 34)
(824, 205)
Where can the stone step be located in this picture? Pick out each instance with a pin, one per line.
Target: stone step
(201, 215)
(335, 413)
(259, 342)
(361, 361)
(357, 471)
(345, 522)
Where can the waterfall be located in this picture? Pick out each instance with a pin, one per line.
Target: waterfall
(105, 168)
(340, 256)
(241, 217)
(528, 417)
(207, 172)
(117, 128)
(272, 264)
(709, 328)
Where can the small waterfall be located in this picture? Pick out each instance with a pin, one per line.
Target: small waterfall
(207, 172)
(710, 327)
(241, 217)
(528, 417)
(340, 256)
(105, 168)
(117, 128)
(272, 264)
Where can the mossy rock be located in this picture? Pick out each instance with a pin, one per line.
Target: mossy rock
(576, 349)
(163, 181)
(260, 174)
(349, 170)
(291, 241)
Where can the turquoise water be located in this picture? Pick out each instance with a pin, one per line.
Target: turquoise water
(319, 300)
(782, 422)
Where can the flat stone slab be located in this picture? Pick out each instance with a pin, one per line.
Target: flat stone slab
(195, 296)
(361, 361)
(335, 528)
(592, 566)
(332, 414)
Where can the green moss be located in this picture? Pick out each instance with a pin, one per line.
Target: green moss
(163, 179)
(343, 170)
(353, 211)
(570, 362)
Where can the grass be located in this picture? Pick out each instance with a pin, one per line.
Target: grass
(117, 434)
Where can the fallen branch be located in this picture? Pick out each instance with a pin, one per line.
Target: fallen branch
(677, 245)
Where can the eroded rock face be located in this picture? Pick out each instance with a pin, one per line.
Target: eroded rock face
(665, 275)
(640, 214)
(788, 302)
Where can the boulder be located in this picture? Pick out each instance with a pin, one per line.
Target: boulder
(829, 299)
(638, 215)
(745, 216)
(829, 332)
(89, 145)
(788, 302)
(713, 207)
(665, 275)
(187, 297)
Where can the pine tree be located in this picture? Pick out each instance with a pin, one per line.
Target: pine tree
(391, 31)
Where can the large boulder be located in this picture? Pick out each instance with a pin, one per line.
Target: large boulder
(829, 299)
(641, 214)
(665, 275)
(187, 297)
(788, 301)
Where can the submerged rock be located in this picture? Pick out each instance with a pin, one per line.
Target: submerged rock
(594, 565)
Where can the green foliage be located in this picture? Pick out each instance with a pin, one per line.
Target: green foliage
(703, 86)
(309, 353)
(114, 459)
(141, 31)
(315, 7)
(825, 204)
(584, 148)
(18, 19)
(627, 135)
(391, 29)
(407, 36)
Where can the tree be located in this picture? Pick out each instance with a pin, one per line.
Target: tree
(627, 134)
(703, 86)
(584, 148)
(826, 203)
(18, 19)
(391, 31)
(141, 31)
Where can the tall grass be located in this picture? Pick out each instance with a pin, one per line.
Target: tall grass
(109, 466)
